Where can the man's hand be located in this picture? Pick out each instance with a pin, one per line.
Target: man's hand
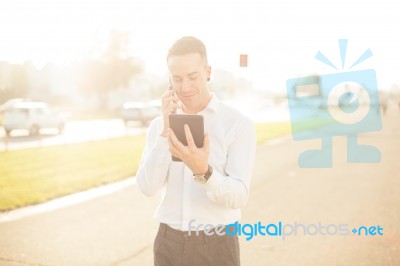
(169, 102)
(195, 158)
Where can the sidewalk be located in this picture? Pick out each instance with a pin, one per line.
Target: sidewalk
(118, 229)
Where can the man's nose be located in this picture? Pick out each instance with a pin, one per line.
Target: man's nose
(185, 85)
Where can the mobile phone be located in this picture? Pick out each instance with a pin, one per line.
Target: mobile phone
(196, 125)
(171, 87)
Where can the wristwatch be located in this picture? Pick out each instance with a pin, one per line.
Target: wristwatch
(202, 179)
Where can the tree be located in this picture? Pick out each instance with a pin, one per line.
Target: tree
(15, 83)
(113, 70)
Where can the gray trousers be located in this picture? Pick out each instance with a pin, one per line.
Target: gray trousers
(176, 248)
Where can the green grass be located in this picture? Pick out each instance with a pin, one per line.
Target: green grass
(37, 175)
(270, 131)
(32, 176)
(267, 131)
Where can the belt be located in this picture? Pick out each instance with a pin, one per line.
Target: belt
(198, 236)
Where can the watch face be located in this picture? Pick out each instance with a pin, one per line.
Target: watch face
(200, 179)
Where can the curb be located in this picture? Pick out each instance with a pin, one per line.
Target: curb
(66, 201)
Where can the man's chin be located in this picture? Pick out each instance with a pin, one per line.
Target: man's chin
(189, 107)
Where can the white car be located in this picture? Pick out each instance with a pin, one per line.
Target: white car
(11, 102)
(140, 112)
(32, 116)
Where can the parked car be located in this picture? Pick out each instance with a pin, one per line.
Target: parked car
(11, 102)
(140, 112)
(32, 116)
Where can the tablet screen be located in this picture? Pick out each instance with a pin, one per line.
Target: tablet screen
(196, 125)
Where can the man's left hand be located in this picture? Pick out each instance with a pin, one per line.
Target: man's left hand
(195, 158)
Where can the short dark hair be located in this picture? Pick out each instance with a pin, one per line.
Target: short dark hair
(188, 45)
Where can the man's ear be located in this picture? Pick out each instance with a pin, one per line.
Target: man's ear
(208, 72)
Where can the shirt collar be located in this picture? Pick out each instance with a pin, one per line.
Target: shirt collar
(213, 104)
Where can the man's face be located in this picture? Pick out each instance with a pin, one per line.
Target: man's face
(189, 75)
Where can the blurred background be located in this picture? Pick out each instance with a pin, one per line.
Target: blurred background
(80, 81)
(86, 55)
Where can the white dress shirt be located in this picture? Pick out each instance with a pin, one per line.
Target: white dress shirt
(218, 201)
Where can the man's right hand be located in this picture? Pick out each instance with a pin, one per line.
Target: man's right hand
(169, 102)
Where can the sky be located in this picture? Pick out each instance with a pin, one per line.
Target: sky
(281, 38)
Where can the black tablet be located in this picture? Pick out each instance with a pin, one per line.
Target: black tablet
(196, 125)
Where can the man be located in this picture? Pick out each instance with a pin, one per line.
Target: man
(212, 183)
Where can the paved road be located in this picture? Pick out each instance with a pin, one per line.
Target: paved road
(75, 131)
(117, 229)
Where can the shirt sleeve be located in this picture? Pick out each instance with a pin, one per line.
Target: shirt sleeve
(153, 168)
(231, 188)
